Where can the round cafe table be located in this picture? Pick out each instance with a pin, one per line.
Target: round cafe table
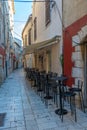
(60, 111)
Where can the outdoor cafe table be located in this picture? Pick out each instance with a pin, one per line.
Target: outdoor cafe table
(60, 111)
(48, 96)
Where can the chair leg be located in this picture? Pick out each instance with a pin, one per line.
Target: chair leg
(82, 103)
(75, 110)
(62, 108)
(73, 107)
(56, 99)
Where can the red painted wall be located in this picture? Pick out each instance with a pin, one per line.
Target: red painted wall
(68, 49)
(2, 52)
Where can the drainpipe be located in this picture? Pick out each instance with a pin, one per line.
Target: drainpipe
(62, 41)
(4, 36)
(62, 29)
(4, 22)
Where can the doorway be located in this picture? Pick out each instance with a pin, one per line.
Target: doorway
(48, 68)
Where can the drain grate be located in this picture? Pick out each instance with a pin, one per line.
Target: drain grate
(2, 118)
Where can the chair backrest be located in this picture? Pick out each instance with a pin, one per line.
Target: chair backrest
(54, 74)
(80, 84)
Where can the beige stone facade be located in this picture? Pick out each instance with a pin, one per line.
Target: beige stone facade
(46, 57)
(27, 40)
(73, 10)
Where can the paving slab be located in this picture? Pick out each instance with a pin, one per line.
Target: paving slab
(25, 110)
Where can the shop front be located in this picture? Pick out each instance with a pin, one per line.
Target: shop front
(2, 64)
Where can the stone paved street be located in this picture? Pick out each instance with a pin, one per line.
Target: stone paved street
(23, 109)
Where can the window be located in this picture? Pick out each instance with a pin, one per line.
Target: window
(35, 28)
(47, 12)
(29, 37)
(25, 40)
(23, 43)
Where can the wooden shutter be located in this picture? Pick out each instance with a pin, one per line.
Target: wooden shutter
(47, 13)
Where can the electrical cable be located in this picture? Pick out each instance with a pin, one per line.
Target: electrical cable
(26, 1)
(17, 34)
(19, 21)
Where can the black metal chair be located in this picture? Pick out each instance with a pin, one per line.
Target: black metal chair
(48, 87)
(65, 94)
(71, 98)
(78, 90)
(55, 90)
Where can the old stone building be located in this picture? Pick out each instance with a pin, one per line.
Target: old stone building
(6, 36)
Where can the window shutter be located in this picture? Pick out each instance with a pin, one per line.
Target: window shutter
(47, 13)
(35, 28)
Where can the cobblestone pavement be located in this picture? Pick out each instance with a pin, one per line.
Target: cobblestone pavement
(22, 109)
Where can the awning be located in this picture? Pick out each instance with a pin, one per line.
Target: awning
(34, 47)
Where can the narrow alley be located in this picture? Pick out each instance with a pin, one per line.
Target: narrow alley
(22, 109)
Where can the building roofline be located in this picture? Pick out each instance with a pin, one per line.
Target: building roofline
(29, 19)
(13, 6)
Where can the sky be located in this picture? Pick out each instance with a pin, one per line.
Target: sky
(22, 12)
